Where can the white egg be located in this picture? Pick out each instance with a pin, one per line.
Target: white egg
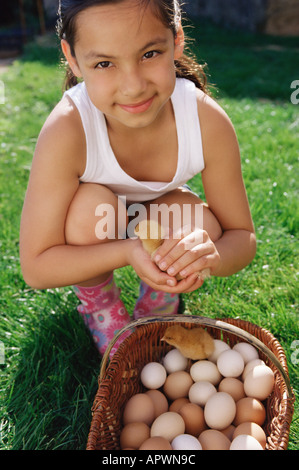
(206, 371)
(219, 347)
(185, 442)
(259, 382)
(250, 365)
(247, 351)
(174, 361)
(153, 375)
(220, 411)
(230, 363)
(200, 392)
(245, 442)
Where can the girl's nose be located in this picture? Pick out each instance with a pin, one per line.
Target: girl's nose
(132, 83)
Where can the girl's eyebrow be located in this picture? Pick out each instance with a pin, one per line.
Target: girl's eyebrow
(154, 43)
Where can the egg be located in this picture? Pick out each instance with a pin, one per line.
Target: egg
(220, 410)
(245, 442)
(253, 430)
(133, 435)
(250, 409)
(205, 371)
(259, 382)
(174, 361)
(177, 385)
(250, 365)
(159, 400)
(211, 439)
(156, 443)
(185, 442)
(168, 425)
(229, 431)
(219, 347)
(177, 404)
(193, 416)
(139, 408)
(233, 387)
(200, 392)
(153, 375)
(247, 351)
(230, 363)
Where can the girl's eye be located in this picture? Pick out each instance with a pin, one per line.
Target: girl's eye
(104, 64)
(150, 54)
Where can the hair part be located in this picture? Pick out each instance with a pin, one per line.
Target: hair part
(168, 11)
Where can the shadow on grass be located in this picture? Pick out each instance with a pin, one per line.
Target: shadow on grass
(246, 65)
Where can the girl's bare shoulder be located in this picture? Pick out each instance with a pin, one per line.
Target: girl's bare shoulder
(218, 133)
(62, 135)
(212, 116)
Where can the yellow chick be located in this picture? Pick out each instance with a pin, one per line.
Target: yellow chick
(152, 234)
(195, 343)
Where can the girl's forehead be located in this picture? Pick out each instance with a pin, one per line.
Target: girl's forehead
(125, 11)
(117, 23)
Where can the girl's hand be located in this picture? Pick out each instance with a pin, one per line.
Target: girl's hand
(150, 273)
(188, 254)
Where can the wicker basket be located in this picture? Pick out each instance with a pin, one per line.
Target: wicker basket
(120, 380)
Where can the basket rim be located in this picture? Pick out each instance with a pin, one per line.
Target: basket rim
(224, 324)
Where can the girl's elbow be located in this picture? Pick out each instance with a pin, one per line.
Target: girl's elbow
(32, 277)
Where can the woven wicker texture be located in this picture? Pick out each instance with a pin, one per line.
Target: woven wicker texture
(120, 380)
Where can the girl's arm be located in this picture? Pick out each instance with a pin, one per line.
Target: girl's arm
(227, 200)
(224, 189)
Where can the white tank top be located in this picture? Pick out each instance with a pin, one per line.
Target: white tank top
(102, 166)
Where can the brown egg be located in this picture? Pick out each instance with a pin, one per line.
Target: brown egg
(177, 384)
(211, 439)
(168, 425)
(139, 408)
(229, 431)
(177, 404)
(193, 416)
(234, 387)
(156, 443)
(159, 400)
(251, 429)
(133, 435)
(249, 409)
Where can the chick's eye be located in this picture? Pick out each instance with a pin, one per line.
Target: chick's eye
(105, 64)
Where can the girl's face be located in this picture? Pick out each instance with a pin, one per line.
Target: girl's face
(126, 56)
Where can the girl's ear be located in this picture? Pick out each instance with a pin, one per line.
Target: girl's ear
(179, 43)
(71, 59)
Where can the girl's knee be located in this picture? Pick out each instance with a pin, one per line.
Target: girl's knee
(181, 207)
(95, 215)
(211, 224)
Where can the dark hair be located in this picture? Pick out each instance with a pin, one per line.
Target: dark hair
(168, 11)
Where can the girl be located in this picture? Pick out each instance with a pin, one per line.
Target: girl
(135, 127)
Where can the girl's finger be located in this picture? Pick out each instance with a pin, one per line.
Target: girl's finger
(179, 258)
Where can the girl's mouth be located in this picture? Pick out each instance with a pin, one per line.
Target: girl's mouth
(138, 107)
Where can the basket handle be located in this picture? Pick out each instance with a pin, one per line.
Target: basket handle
(205, 321)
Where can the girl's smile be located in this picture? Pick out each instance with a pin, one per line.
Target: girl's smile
(139, 107)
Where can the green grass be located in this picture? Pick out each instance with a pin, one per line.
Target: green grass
(49, 377)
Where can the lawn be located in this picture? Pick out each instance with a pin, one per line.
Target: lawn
(49, 372)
